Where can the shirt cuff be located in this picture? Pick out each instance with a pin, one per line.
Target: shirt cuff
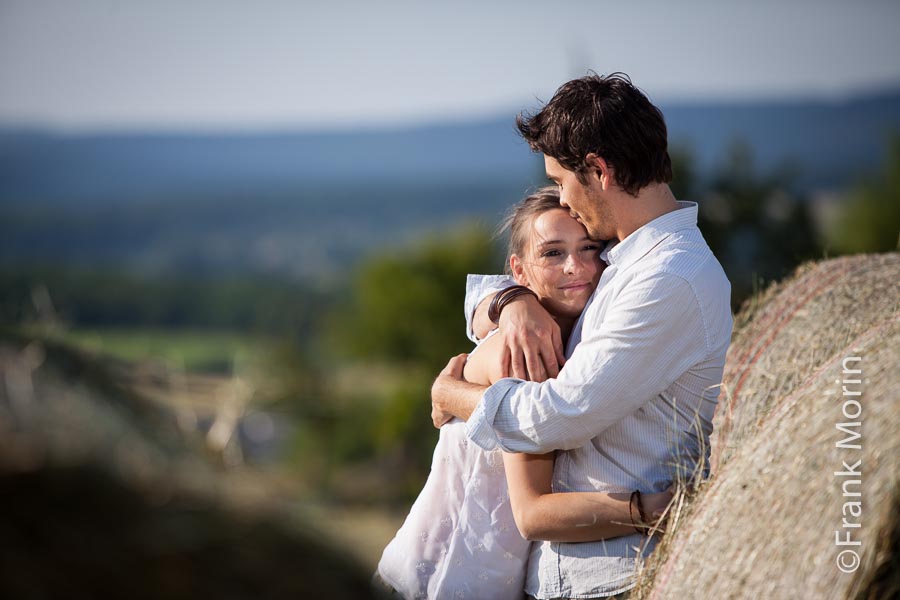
(480, 426)
(477, 288)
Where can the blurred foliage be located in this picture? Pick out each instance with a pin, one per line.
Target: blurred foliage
(194, 350)
(684, 174)
(407, 306)
(361, 390)
(756, 225)
(870, 220)
(104, 297)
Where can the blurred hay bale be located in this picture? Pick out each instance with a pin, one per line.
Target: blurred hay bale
(764, 525)
(103, 496)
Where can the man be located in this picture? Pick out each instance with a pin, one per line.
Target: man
(633, 404)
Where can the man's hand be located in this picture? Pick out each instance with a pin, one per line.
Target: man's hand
(452, 372)
(453, 396)
(532, 340)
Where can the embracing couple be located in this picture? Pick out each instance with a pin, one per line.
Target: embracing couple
(595, 377)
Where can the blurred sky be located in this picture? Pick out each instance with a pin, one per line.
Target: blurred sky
(214, 64)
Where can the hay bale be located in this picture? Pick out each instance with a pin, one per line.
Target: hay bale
(103, 496)
(764, 525)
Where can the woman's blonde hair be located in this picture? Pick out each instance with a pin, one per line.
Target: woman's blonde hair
(520, 217)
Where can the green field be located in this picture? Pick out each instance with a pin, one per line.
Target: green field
(188, 350)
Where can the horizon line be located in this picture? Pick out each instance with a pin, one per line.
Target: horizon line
(381, 124)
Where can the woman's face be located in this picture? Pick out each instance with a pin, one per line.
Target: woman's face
(561, 264)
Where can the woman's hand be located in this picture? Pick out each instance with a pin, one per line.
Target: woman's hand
(532, 341)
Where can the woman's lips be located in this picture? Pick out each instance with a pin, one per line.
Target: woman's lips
(575, 286)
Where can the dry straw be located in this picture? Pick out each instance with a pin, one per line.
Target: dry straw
(764, 525)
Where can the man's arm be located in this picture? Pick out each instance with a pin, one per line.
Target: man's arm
(451, 395)
(652, 334)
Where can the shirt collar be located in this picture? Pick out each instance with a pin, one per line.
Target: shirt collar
(645, 238)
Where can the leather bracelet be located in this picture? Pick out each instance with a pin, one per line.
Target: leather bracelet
(493, 308)
(640, 506)
(631, 511)
(510, 296)
(504, 297)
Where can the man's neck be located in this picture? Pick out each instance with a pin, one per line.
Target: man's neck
(652, 202)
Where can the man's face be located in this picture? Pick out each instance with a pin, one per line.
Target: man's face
(586, 202)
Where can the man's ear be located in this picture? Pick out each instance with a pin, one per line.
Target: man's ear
(602, 169)
(518, 270)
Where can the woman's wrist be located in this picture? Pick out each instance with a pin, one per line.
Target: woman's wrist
(503, 298)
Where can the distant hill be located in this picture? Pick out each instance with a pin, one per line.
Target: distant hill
(829, 143)
(308, 203)
(131, 167)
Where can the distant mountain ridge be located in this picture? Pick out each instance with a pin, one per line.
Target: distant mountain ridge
(829, 142)
(120, 167)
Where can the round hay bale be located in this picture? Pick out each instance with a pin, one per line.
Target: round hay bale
(805, 493)
(103, 496)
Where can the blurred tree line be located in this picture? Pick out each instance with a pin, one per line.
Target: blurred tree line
(870, 219)
(108, 297)
(760, 227)
(755, 223)
(378, 350)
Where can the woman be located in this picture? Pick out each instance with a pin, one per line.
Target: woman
(467, 535)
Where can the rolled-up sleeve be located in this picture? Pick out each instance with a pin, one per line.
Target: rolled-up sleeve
(478, 287)
(651, 334)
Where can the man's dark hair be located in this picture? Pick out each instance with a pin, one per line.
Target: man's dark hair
(606, 115)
